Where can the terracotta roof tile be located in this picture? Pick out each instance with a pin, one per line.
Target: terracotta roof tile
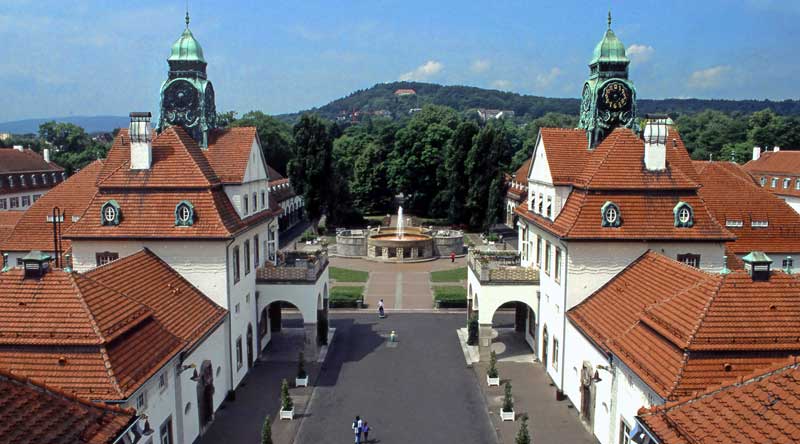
(763, 408)
(678, 327)
(733, 197)
(178, 162)
(34, 232)
(25, 161)
(33, 414)
(229, 152)
(779, 165)
(8, 220)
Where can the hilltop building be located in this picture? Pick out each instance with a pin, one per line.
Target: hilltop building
(779, 172)
(25, 176)
(516, 192)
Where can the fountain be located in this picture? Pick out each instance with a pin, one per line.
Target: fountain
(400, 222)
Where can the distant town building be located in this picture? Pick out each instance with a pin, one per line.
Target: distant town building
(490, 114)
(25, 176)
(405, 92)
(779, 172)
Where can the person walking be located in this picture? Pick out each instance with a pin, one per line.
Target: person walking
(366, 432)
(452, 256)
(357, 424)
(381, 313)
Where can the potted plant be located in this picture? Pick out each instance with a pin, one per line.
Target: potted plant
(302, 376)
(287, 405)
(492, 377)
(507, 412)
(472, 331)
(523, 437)
(266, 431)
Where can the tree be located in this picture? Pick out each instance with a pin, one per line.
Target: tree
(370, 185)
(523, 437)
(492, 372)
(266, 431)
(275, 136)
(64, 136)
(508, 401)
(311, 169)
(457, 180)
(495, 205)
(286, 400)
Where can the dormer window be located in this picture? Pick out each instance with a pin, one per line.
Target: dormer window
(33, 180)
(245, 204)
(684, 215)
(549, 206)
(611, 215)
(774, 182)
(110, 213)
(786, 182)
(797, 184)
(44, 178)
(184, 214)
(763, 181)
(22, 180)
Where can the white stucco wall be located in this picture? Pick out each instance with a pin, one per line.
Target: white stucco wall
(255, 181)
(160, 401)
(631, 394)
(793, 202)
(214, 348)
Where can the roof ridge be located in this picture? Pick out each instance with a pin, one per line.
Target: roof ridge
(603, 160)
(577, 217)
(679, 376)
(659, 325)
(85, 306)
(139, 316)
(110, 371)
(705, 311)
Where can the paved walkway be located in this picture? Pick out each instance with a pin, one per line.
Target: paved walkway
(401, 286)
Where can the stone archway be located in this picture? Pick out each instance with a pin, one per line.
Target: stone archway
(508, 331)
(205, 394)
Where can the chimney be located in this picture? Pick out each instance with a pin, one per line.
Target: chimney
(758, 265)
(655, 145)
(46, 155)
(141, 141)
(35, 264)
(756, 152)
(18, 147)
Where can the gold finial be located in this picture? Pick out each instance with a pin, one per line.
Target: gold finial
(609, 19)
(187, 14)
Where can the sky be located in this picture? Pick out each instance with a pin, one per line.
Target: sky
(62, 58)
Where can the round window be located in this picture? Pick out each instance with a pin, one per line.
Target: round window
(684, 215)
(611, 215)
(184, 213)
(110, 213)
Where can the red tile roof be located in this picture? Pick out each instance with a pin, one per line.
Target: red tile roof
(180, 171)
(34, 232)
(25, 161)
(8, 220)
(779, 165)
(762, 409)
(682, 329)
(614, 171)
(229, 152)
(520, 179)
(34, 414)
(101, 334)
(733, 196)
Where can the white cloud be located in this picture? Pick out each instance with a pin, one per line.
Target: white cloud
(640, 53)
(501, 84)
(544, 80)
(424, 71)
(480, 65)
(709, 77)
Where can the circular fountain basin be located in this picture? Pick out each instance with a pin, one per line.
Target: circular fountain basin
(386, 245)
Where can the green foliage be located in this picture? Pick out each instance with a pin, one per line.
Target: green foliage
(472, 330)
(301, 366)
(346, 296)
(286, 400)
(523, 437)
(492, 373)
(266, 431)
(508, 401)
(348, 275)
(452, 275)
(64, 136)
(311, 168)
(457, 183)
(450, 296)
(274, 134)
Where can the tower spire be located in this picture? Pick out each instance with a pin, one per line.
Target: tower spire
(609, 18)
(187, 14)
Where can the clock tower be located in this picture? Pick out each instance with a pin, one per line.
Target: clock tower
(187, 96)
(608, 99)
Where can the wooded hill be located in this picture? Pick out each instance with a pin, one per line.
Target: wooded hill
(381, 97)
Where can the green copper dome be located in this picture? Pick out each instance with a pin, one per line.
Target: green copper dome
(187, 48)
(610, 49)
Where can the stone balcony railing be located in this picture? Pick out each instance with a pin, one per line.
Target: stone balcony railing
(294, 267)
(501, 267)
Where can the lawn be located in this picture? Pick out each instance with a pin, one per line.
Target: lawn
(347, 275)
(450, 296)
(346, 296)
(454, 275)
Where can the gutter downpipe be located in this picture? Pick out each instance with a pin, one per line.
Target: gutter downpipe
(564, 319)
(230, 316)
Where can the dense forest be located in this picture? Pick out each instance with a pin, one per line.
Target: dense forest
(446, 161)
(381, 98)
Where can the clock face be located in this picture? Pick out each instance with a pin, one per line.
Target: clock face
(615, 96)
(181, 102)
(586, 98)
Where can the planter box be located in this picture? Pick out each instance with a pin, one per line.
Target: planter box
(301, 382)
(287, 414)
(506, 416)
(493, 381)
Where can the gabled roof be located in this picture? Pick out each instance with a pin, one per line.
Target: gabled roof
(25, 161)
(764, 408)
(229, 152)
(682, 330)
(73, 196)
(733, 197)
(776, 163)
(178, 162)
(521, 175)
(274, 175)
(33, 413)
(8, 220)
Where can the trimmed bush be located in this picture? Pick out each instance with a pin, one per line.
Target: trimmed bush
(301, 366)
(472, 331)
(450, 296)
(523, 437)
(508, 401)
(286, 400)
(346, 296)
(492, 373)
(266, 431)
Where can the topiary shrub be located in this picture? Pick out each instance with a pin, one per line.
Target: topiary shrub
(523, 437)
(266, 431)
(492, 373)
(301, 366)
(508, 402)
(286, 400)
